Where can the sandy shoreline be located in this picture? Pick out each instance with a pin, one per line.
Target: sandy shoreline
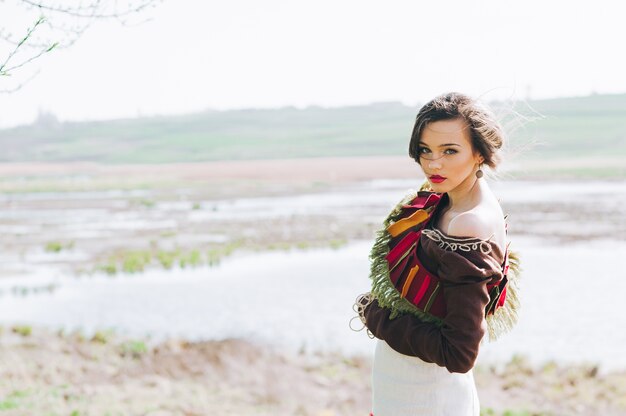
(331, 170)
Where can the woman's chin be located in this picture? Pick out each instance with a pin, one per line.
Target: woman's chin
(438, 187)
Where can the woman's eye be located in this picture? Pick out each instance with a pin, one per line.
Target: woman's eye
(452, 151)
(424, 150)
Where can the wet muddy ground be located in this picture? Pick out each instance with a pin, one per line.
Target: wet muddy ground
(189, 219)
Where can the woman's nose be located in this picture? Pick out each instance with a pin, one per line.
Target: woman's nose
(434, 164)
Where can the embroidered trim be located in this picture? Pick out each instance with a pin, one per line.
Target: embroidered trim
(453, 243)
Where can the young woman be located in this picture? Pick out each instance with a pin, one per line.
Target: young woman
(440, 268)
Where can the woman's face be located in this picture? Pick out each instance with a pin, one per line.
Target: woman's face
(446, 150)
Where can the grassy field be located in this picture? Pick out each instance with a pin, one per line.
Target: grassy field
(566, 128)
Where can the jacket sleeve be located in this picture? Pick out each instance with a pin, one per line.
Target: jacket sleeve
(455, 344)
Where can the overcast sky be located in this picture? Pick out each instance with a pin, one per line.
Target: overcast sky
(196, 55)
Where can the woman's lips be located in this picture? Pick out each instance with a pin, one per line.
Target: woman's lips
(437, 179)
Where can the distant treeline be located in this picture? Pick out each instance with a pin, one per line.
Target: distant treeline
(566, 127)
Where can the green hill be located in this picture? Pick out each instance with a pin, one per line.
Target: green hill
(574, 127)
(591, 126)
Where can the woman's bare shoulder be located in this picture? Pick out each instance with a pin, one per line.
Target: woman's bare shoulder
(470, 224)
(483, 221)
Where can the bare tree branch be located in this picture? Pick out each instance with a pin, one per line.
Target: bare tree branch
(20, 85)
(94, 7)
(5, 69)
(59, 24)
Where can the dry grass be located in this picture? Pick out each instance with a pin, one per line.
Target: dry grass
(44, 373)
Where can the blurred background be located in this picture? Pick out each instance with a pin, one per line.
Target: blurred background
(189, 192)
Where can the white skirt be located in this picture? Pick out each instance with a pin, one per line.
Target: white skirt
(407, 386)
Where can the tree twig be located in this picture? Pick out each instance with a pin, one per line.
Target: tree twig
(76, 11)
(50, 17)
(4, 69)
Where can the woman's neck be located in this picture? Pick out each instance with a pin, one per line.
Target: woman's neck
(467, 194)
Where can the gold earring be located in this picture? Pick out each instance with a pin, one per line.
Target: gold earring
(479, 172)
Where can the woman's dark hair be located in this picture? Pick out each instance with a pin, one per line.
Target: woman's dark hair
(486, 133)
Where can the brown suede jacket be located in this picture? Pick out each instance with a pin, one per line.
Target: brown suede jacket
(464, 271)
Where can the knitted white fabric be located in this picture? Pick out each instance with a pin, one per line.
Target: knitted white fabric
(407, 386)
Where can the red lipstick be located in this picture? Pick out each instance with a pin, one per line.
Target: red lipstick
(437, 179)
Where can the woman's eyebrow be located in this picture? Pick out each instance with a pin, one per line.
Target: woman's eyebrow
(442, 145)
